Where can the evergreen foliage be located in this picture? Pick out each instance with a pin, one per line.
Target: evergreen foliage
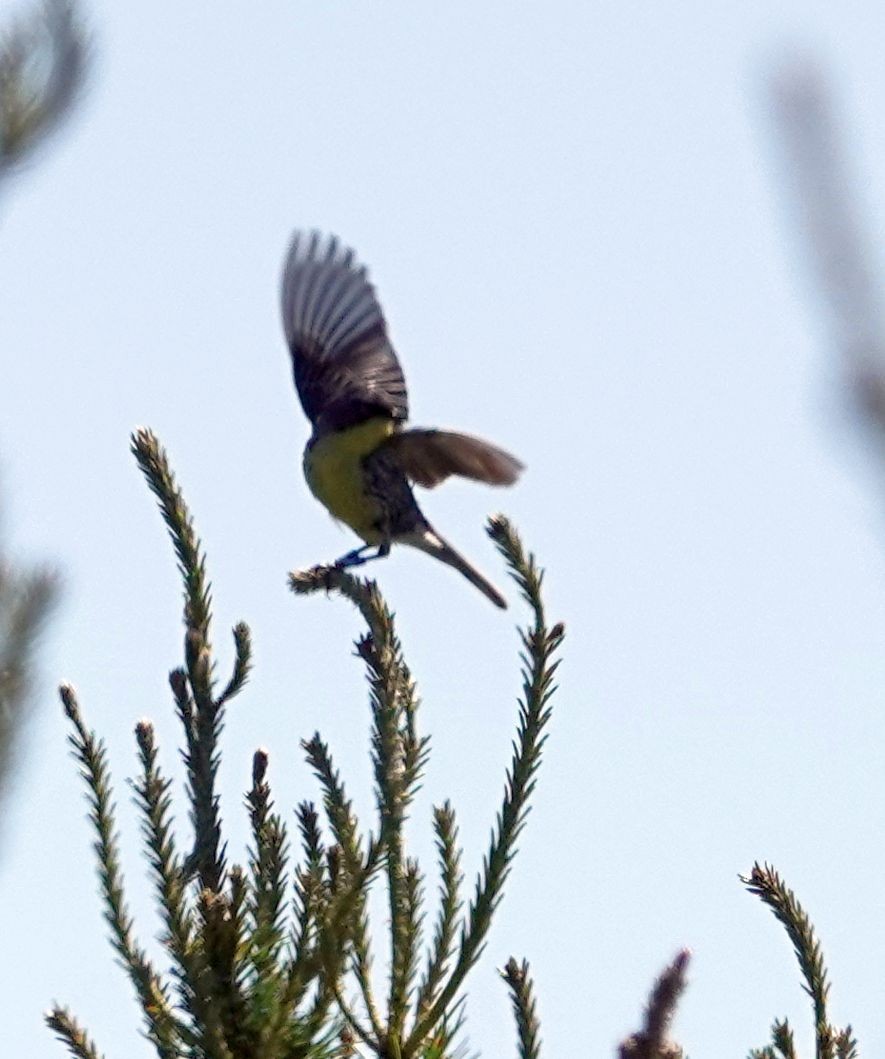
(272, 960)
(831, 1042)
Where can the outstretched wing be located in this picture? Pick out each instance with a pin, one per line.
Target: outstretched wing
(344, 365)
(428, 457)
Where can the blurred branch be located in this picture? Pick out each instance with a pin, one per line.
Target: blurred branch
(42, 60)
(25, 602)
(652, 1041)
(42, 65)
(825, 210)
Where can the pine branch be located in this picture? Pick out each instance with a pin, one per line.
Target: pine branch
(310, 900)
(652, 1041)
(528, 1027)
(266, 903)
(308, 880)
(26, 600)
(345, 830)
(71, 1034)
(219, 935)
(339, 808)
(153, 798)
(315, 1026)
(416, 749)
(846, 1045)
(161, 1026)
(205, 719)
(190, 967)
(363, 593)
(441, 1043)
(241, 983)
(540, 645)
(765, 882)
(220, 924)
(819, 181)
(782, 1038)
(185, 708)
(154, 465)
(380, 652)
(451, 877)
(242, 663)
(303, 966)
(361, 965)
(399, 756)
(353, 930)
(343, 933)
(370, 1036)
(268, 871)
(406, 947)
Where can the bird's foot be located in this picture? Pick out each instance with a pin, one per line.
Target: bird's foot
(355, 558)
(358, 556)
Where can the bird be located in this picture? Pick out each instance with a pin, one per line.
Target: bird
(361, 460)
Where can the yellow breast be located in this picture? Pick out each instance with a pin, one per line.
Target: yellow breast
(333, 467)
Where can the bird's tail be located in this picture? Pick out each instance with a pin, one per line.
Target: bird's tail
(429, 541)
(428, 457)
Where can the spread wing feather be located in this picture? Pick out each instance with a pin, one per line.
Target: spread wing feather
(344, 365)
(428, 457)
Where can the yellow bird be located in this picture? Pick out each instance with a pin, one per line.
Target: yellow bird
(360, 461)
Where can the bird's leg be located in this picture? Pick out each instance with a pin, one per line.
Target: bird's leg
(354, 558)
(358, 557)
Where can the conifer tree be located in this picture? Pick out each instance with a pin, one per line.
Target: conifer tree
(267, 957)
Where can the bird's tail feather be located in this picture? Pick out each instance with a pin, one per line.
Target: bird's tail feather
(428, 457)
(429, 541)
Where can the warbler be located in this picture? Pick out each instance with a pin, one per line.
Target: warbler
(360, 461)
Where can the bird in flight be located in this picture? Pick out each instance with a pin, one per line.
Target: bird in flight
(361, 461)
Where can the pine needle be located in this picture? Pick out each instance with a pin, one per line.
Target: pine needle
(150, 989)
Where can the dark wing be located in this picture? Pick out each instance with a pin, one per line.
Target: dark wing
(428, 457)
(344, 365)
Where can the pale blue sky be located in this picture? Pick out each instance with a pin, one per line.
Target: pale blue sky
(573, 216)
